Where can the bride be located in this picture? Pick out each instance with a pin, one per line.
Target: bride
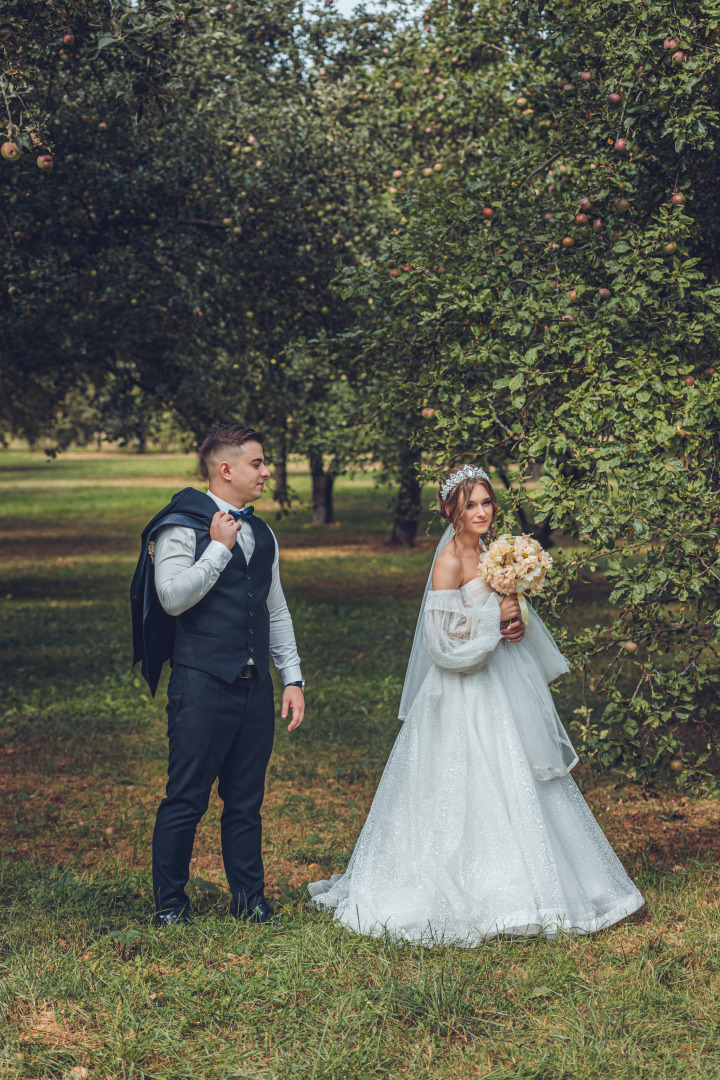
(477, 828)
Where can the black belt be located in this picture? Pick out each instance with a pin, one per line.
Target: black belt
(248, 672)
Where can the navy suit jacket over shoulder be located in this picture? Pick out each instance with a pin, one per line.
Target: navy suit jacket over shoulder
(153, 629)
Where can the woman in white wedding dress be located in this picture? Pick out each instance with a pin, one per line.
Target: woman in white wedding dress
(477, 828)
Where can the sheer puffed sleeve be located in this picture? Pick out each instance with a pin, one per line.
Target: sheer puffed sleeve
(461, 635)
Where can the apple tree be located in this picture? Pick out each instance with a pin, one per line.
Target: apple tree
(561, 282)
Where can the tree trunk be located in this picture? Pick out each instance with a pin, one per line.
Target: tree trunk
(407, 507)
(280, 493)
(322, 491)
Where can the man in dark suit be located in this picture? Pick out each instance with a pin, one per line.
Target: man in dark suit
(207, 595)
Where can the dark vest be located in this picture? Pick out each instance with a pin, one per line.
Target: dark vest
(231, 624)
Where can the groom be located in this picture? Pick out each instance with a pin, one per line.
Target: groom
(207, 596)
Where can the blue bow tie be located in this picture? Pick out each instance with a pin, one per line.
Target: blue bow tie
(241, 515)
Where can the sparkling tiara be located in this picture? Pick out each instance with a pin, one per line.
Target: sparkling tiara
(456, 478)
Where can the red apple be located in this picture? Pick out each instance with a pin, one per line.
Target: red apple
(621, 145)
(407, 268)
(671, 43)
(521, 102)
(572, 294)
(10, 151)
(614, 99)
(45, 162)
(548, 217)
(584, 203)
(428, 413)
(670, 247)
(586, 76)
(676, 765)
(621, 206)
(581, 219)
(568, 87)
(678, 199)
(604, 294)
(630, 646)
(394, 272)
(69, 38)
(567, 241)
(689, 380)
(679, 57)
(488, 212)
(597, 224)
(709, 371)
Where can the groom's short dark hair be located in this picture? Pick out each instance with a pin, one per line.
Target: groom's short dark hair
(225, 435)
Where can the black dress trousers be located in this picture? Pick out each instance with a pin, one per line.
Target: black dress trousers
(215, 730)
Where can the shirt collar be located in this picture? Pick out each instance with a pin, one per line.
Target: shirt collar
(222, 505)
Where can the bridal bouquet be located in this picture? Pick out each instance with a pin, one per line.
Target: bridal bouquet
(515, 564)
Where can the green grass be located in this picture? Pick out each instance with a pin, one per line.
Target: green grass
(87, 982)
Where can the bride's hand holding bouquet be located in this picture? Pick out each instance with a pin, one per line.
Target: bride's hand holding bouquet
(513, 566)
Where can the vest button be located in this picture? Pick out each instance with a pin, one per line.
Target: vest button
(251, 631)
(251, 613)
(250, 594)
(251, 649)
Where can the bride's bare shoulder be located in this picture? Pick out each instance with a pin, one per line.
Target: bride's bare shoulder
(448, 571)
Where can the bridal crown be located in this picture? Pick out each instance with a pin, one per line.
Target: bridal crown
(466, 473)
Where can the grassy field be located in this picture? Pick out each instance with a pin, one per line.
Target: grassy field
(90, 988)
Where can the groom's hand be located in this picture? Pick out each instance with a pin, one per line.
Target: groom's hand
(293, 698)
(225, 528)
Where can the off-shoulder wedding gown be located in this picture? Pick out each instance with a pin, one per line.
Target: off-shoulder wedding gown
(477, 828)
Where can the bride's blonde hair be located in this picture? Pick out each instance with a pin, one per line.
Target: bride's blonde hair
(453, 508)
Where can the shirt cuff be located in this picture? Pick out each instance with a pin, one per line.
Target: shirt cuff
(291, 674)
(217, 554)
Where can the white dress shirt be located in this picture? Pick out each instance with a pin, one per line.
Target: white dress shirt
(181, 582)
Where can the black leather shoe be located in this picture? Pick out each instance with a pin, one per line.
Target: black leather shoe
(172, 918)
(258, 910)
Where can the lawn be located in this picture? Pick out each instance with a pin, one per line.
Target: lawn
(90, 988)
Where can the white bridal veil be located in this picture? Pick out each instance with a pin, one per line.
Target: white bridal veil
(524, 669)
(419, 662)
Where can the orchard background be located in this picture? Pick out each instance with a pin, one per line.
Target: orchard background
(396, 240)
